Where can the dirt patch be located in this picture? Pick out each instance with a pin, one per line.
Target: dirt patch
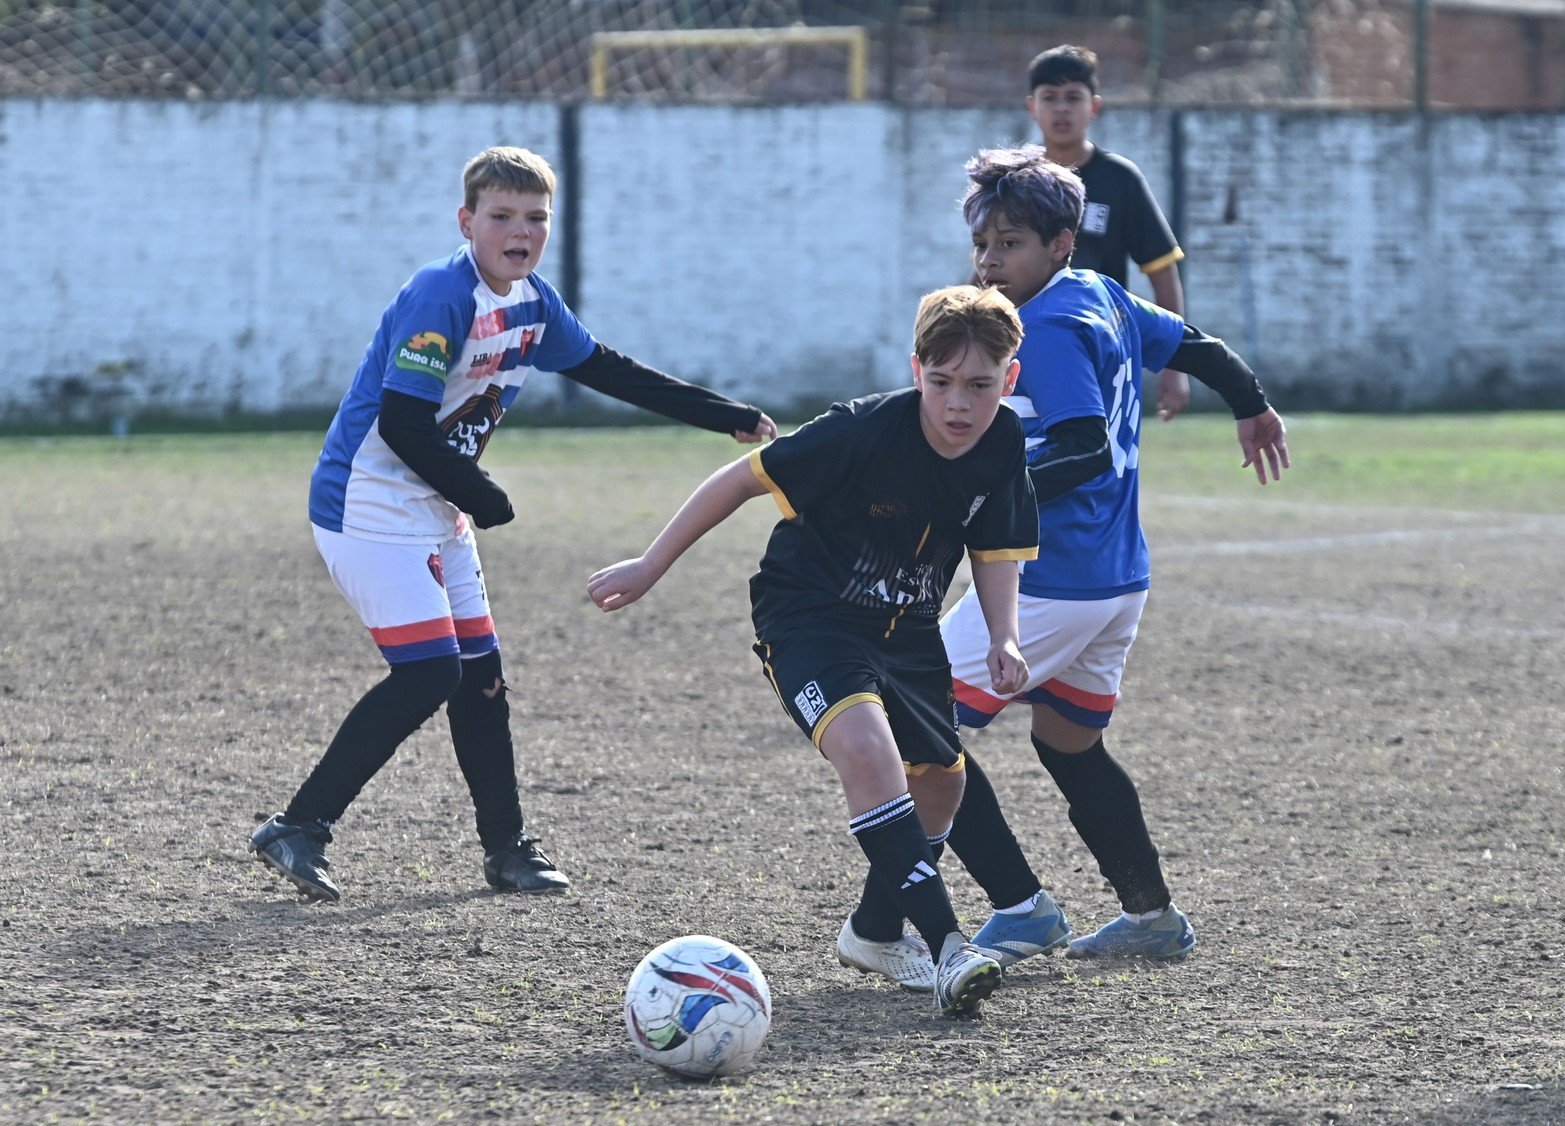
(1349, 753)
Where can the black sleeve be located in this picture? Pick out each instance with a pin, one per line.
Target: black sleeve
(1215, 364)
(626, 379)
(1075, 451)
(407, 424)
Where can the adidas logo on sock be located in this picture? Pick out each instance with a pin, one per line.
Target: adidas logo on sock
(921, 872)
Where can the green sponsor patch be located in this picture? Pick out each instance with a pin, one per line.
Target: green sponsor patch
(428, 352)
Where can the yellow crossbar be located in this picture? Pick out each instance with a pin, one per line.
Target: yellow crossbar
(855, 39)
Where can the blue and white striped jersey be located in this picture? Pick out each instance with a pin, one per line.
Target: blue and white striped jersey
(448, 338)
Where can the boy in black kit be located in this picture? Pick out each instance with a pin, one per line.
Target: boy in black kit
(879, 498)
(1122, 221)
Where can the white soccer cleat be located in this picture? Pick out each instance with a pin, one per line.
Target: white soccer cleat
(963, 979)
(904, 961)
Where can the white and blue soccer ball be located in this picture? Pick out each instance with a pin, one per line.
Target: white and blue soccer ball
(698, 1007)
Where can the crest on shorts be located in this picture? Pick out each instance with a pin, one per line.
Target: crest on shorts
(811, 702)
(437, 568)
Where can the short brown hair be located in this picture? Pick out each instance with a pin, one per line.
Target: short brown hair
(953, 319)
(508, 168)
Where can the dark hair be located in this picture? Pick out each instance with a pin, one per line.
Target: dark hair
(1026, 185)
(1059, 65)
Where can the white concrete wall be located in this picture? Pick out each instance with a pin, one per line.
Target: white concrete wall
(236, 257)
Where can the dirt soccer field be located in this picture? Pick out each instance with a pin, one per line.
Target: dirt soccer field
(1344, 714)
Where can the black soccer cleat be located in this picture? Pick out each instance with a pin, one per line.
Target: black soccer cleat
(298, 852)
(519, 865)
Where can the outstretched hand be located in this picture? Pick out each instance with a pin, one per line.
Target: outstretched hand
(764, 431)
(1007, 669)
(1264, 441)
(616, 587)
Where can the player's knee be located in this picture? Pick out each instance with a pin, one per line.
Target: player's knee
(431, 681)
(938, 793)
(482, 686)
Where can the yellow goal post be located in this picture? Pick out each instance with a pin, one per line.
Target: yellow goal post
(855, 39)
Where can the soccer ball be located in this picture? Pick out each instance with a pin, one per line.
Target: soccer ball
(698, 1007)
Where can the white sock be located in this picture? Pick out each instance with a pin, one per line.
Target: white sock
(1145, 916)
(1025, 907)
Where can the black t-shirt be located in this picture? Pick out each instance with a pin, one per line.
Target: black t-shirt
(1121, 220)
(874, 520)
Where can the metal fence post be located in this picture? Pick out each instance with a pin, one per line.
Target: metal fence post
(1421, 55)
(1154, 49)
(263, 49)
(84, 45)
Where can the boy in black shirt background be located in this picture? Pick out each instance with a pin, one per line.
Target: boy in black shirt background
(1122, 221)
(879, 498)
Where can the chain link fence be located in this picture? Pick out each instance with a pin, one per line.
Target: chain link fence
(910, 52)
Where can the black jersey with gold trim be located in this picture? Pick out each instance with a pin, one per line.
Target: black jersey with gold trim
(1121, 221)
(875, 520)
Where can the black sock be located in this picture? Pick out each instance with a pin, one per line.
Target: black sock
(983, 841)
(1106, 811)
(384, 716)
(878, 916)
(899, 854)
(480, 722)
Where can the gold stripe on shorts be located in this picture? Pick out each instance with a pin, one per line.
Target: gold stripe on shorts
(842, 705)
(917, 768)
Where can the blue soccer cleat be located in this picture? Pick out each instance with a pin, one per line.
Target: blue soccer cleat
(1167, 936)
(1010, 938)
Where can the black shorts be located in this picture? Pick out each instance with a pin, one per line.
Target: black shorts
(818, 673)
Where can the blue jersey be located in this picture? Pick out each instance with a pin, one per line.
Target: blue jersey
(448, 338)
(1085, 342)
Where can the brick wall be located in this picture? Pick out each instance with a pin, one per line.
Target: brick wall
(236, 257)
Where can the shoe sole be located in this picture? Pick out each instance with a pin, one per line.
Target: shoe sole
(972, 993)
(557, 890)
(306, 888)
(1008, 959)
(872, 972)
(1088, 955)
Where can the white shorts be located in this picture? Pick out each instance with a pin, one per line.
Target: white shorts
(1075, 653)
(418, 601)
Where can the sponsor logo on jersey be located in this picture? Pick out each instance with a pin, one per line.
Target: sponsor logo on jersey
(486, 364)
(978, 502)
(428, 352)
(811, 702)
(468, 428)
(1095, 219)
(888, 510)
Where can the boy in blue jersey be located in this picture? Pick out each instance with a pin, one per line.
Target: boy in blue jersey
(879, 498)
(397, 492)
(1085, 344)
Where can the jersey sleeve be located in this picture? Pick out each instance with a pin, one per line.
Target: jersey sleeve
(1059, 372)
(566, 341)
(1147, 233)
(1161, 332)
(804, 467)
(1005, 527)
(429, 325)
